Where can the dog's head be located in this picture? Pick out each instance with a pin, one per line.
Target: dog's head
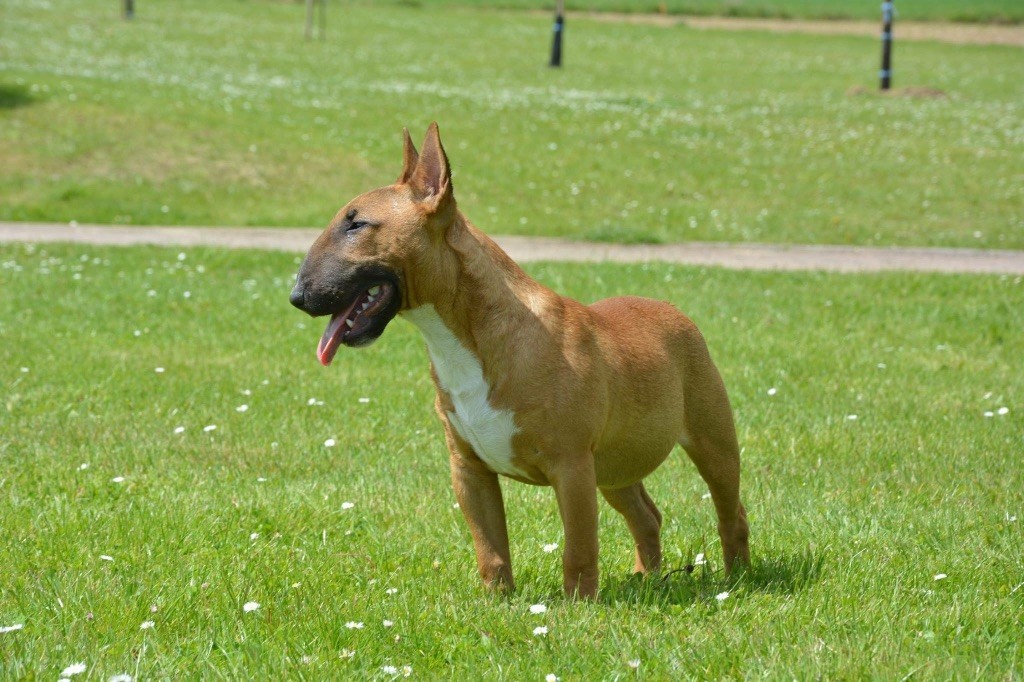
(361, 268)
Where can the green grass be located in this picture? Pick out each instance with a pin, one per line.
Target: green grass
(218, 112)
(851, 519)
(1005, 11)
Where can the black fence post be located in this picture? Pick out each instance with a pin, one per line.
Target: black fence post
(129, 9)
(886, 73)
(556, 45)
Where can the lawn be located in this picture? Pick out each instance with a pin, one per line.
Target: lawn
(217, 112)
(881, 424)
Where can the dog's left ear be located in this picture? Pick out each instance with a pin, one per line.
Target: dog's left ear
(431, 182)
(409, 158)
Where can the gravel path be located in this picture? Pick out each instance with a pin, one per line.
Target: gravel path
(939, 31)
(525, 249)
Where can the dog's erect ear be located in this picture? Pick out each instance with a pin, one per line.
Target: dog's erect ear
(409, 158)
(432, 179)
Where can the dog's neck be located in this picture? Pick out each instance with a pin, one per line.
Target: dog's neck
(479, 293)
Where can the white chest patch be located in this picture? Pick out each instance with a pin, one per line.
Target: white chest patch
(488, 430)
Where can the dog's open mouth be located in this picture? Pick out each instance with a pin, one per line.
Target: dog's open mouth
(356, 324)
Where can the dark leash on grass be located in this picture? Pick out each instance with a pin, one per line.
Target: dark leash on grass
(886, 73)
(556, 44)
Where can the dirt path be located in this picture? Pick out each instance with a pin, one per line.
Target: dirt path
(946, 32)
(525, 249)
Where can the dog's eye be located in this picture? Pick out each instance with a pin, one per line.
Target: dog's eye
(355, 225)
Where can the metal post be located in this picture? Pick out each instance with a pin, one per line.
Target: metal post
(129, 9)
(310, 11)
(556, 46)
(886, 73)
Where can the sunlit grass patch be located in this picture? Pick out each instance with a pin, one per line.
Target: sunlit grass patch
(220, 113)
(138, 540)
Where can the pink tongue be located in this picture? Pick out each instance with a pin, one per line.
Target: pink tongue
(331, 339)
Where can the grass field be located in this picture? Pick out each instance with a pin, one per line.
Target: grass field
(1006, 11)
(217, 112)
(871, 467)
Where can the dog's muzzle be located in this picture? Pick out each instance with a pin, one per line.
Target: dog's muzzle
(298, 297)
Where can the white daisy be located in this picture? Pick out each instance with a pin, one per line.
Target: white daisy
(940, 576)
(146, 625)
(330, 443)
(550, 547)
(11, 628)
(347, 505)
(74, 669)
(538, 608)
(250, 606)
(540, 630)
(353, 625)
(722, 596)
(242, 408)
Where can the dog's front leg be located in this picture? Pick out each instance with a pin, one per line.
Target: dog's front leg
(479, 496)
(575, 486)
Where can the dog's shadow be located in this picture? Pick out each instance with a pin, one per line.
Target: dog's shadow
(683, 586)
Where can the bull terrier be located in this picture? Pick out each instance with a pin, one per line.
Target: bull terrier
(530, 385)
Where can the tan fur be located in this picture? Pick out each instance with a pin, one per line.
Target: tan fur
(601, 394)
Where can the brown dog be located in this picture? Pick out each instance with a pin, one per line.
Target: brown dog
(530, 385)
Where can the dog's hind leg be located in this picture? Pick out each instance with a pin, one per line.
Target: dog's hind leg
(643, 520)
(711, 443)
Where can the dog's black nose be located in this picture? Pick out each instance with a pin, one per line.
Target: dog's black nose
(298, 297)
